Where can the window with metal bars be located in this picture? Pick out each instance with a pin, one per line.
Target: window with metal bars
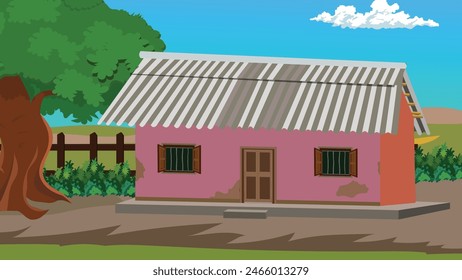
(335, 162)
(179, 158)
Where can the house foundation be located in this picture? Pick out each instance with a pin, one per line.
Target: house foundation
(264, 210)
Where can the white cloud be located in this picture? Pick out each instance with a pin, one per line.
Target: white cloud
(382, 15)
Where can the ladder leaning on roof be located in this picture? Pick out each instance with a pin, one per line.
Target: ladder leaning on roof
(408, 91)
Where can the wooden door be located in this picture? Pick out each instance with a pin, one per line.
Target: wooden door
(258, 174)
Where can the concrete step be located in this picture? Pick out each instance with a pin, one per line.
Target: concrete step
(245, 213)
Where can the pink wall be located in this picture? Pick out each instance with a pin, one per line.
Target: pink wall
(221, 163)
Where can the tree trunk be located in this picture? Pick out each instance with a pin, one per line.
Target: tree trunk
(26, 139)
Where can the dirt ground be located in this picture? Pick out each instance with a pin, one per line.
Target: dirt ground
(93, 220)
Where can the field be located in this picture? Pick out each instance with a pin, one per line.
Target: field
(80, 134)
(449, 134)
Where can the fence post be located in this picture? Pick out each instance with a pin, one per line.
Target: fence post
(60, 149)
(93, 146)
(120, 148)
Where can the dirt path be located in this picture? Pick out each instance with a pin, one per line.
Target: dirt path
(93, 221)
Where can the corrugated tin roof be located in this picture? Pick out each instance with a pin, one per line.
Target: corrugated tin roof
(255, 92)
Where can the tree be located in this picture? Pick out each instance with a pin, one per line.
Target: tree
(78, 54)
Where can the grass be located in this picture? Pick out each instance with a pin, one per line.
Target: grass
(449, 134)
(107, 158)
(131, 252)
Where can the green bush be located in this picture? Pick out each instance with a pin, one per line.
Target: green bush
(91, 179)
(441, 164)
(459, 175)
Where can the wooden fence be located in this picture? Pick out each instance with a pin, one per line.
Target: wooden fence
(92, 147)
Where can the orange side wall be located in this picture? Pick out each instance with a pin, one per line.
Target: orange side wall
(397, 183)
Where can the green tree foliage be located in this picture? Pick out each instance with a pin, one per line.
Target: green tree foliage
(80, 49)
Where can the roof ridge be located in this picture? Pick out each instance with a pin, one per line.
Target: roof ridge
(267, 59)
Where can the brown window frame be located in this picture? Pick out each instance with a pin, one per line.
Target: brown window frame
(162, 157)
(353, 162)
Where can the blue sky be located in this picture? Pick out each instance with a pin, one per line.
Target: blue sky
(283, 28)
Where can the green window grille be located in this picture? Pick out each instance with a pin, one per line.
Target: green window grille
(182, 159)
(179, 159)
(336, 162)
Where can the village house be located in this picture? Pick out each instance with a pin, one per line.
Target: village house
(219, 128)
